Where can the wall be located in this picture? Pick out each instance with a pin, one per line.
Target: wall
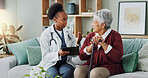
(113, 6)
(26, 13)
(29, 15)
(8, 15)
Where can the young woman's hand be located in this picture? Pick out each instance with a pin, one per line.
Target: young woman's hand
(63, 53)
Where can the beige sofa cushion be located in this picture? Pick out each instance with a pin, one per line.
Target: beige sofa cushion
(143, 58)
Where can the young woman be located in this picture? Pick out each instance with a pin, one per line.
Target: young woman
(54, 60)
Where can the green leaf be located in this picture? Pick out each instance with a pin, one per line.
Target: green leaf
(91, 29)
(19, 28)
(36, 74)
(41, 68)
(57, 76)
(43, 71)
(39, 76)
(87, 32)
(48, 75)
(26, 75)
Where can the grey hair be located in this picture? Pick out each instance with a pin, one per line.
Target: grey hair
(104, 16)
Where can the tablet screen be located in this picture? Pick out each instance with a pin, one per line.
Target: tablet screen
(72, 50)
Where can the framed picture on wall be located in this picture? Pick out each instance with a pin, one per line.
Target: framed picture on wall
(132, 17)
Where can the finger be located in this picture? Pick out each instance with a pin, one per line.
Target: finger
(96, 39)
(93, 39)
(79, 33)
(66, 52)
(83, 35)
(91, 42)
(100, 43)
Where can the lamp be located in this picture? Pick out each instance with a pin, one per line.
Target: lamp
(1, 4)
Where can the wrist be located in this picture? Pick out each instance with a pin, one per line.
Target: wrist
(78, 42)
(89, 48)
(105, 46)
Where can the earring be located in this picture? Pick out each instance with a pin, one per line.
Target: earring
(102, 30)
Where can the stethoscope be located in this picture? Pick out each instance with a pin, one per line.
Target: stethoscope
(55, 40)
(52, 38)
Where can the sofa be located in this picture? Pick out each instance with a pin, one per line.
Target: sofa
(9, 67)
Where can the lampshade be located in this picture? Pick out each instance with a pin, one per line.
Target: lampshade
(1, 4)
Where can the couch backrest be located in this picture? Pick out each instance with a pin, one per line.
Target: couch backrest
(132, 45)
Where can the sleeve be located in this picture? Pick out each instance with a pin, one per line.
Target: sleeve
(116, 52)
(108, 49)
(82, 54)
(47, 54)
(86, 51)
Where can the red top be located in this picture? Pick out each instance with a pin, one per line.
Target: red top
(111, 60)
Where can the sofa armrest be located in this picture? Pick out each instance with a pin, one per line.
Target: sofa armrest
(6, 64)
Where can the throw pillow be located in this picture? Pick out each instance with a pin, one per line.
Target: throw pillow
(130, 61)
(19, 50)
(143, 58)
(34, 55)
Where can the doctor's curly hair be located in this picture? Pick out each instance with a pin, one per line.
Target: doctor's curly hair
(54, 9)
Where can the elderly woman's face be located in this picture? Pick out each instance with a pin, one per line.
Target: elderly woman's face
(96, 26)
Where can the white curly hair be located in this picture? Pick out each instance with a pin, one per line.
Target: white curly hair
(104, 16)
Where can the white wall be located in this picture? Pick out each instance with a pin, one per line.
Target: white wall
(9, 13)
(26, 13)
(113, 6)
(29, 15)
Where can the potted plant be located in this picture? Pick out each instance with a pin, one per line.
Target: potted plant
(40, 74)
(8, 36)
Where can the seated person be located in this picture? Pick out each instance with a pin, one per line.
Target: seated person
(108, 49)
(54, 60)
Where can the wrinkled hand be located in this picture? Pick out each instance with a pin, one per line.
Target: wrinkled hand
(96, 39)
(102, 43)
(80, 36)
(63, 53)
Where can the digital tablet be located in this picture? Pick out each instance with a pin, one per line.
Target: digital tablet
(72, 50)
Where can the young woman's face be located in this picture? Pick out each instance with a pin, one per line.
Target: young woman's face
(61, 19)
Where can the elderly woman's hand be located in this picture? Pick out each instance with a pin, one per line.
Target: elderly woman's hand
(99, 40)
(103, 44)
(96, 39)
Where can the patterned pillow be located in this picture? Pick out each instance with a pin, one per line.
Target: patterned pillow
(143, 58)
(130, 61)
(19, 49)
(34, 55)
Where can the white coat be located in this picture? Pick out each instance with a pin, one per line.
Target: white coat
(50, 52)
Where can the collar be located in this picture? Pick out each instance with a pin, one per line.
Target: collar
(52, 28)
(106, 34)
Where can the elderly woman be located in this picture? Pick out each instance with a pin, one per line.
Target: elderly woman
(107, 53)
